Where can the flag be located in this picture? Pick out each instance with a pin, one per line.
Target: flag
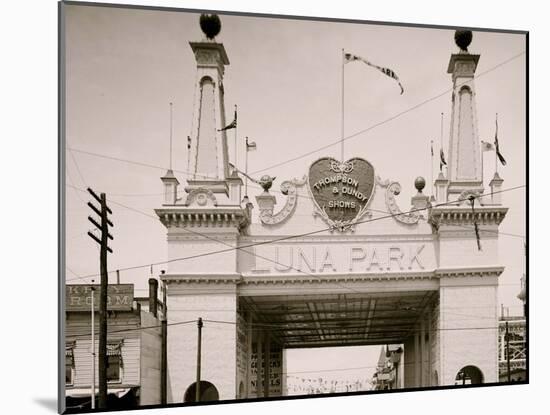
(441, 159)
(348, 57)
(233, 123)
(499, 155)
(250, 145)
(188, 143)
(485, 146)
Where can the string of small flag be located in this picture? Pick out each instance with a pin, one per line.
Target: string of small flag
(311, 386)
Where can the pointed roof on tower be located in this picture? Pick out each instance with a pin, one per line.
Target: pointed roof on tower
(464, 161)
(209, 163)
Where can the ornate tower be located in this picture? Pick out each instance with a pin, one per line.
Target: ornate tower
(466, 233)
(209, 155)
(465, 172)
(208, 219)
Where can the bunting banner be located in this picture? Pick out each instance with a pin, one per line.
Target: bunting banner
(348, 57)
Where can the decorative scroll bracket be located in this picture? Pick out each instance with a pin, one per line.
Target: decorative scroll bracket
(393, 189)
(289, 189)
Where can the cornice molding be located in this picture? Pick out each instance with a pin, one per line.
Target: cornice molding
(201, 279)
(462, 215)
(335, 278)
(340, 239)
(481, 271)
(197, 217)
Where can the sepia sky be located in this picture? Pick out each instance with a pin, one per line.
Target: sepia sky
(125, 66)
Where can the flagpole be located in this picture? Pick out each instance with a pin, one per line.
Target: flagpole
(432, 163)
(482, 157)
(342, 120)
(496, 132)
(441, 139)
(170, 136)
(188, 151)
(235, 140)
(246, 168)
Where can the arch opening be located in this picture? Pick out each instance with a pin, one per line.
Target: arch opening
(469, 375)
(207, 391)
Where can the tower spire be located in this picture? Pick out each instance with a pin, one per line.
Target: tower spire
(464, 169)
(209, 164)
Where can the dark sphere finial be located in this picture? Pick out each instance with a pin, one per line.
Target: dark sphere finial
(210, 25)
(463, 38)
(420, 183)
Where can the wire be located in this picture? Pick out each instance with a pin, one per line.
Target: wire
(263, 326)
(269, 259)
(179, 323)
(274, 240)
(77, 167)
(75, 274)
(480, 74)
(399, 114)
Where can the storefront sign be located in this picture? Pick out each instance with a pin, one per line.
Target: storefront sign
(79, 297)
(257, 372)
(341, 190)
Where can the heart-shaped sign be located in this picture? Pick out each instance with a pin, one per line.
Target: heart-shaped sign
(341, 190)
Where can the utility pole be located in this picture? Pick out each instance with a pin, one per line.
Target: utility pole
(198, 381)
(93, 347)
(507, 338)
(163, 361)
(105, 235)
(164, 348)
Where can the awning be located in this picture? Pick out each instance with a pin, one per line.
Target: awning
(86, 392)
(113, 349)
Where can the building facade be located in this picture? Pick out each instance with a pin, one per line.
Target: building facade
(320, 271)
(390, 369)
(133, 349)
(512, 351)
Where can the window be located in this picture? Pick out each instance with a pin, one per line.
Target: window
(114, 362)
(69, 363)
(113, 369)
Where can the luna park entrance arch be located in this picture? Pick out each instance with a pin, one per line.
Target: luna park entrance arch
(338, 264)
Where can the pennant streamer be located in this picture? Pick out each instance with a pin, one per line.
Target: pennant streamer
(348, 57)
(233, 123)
